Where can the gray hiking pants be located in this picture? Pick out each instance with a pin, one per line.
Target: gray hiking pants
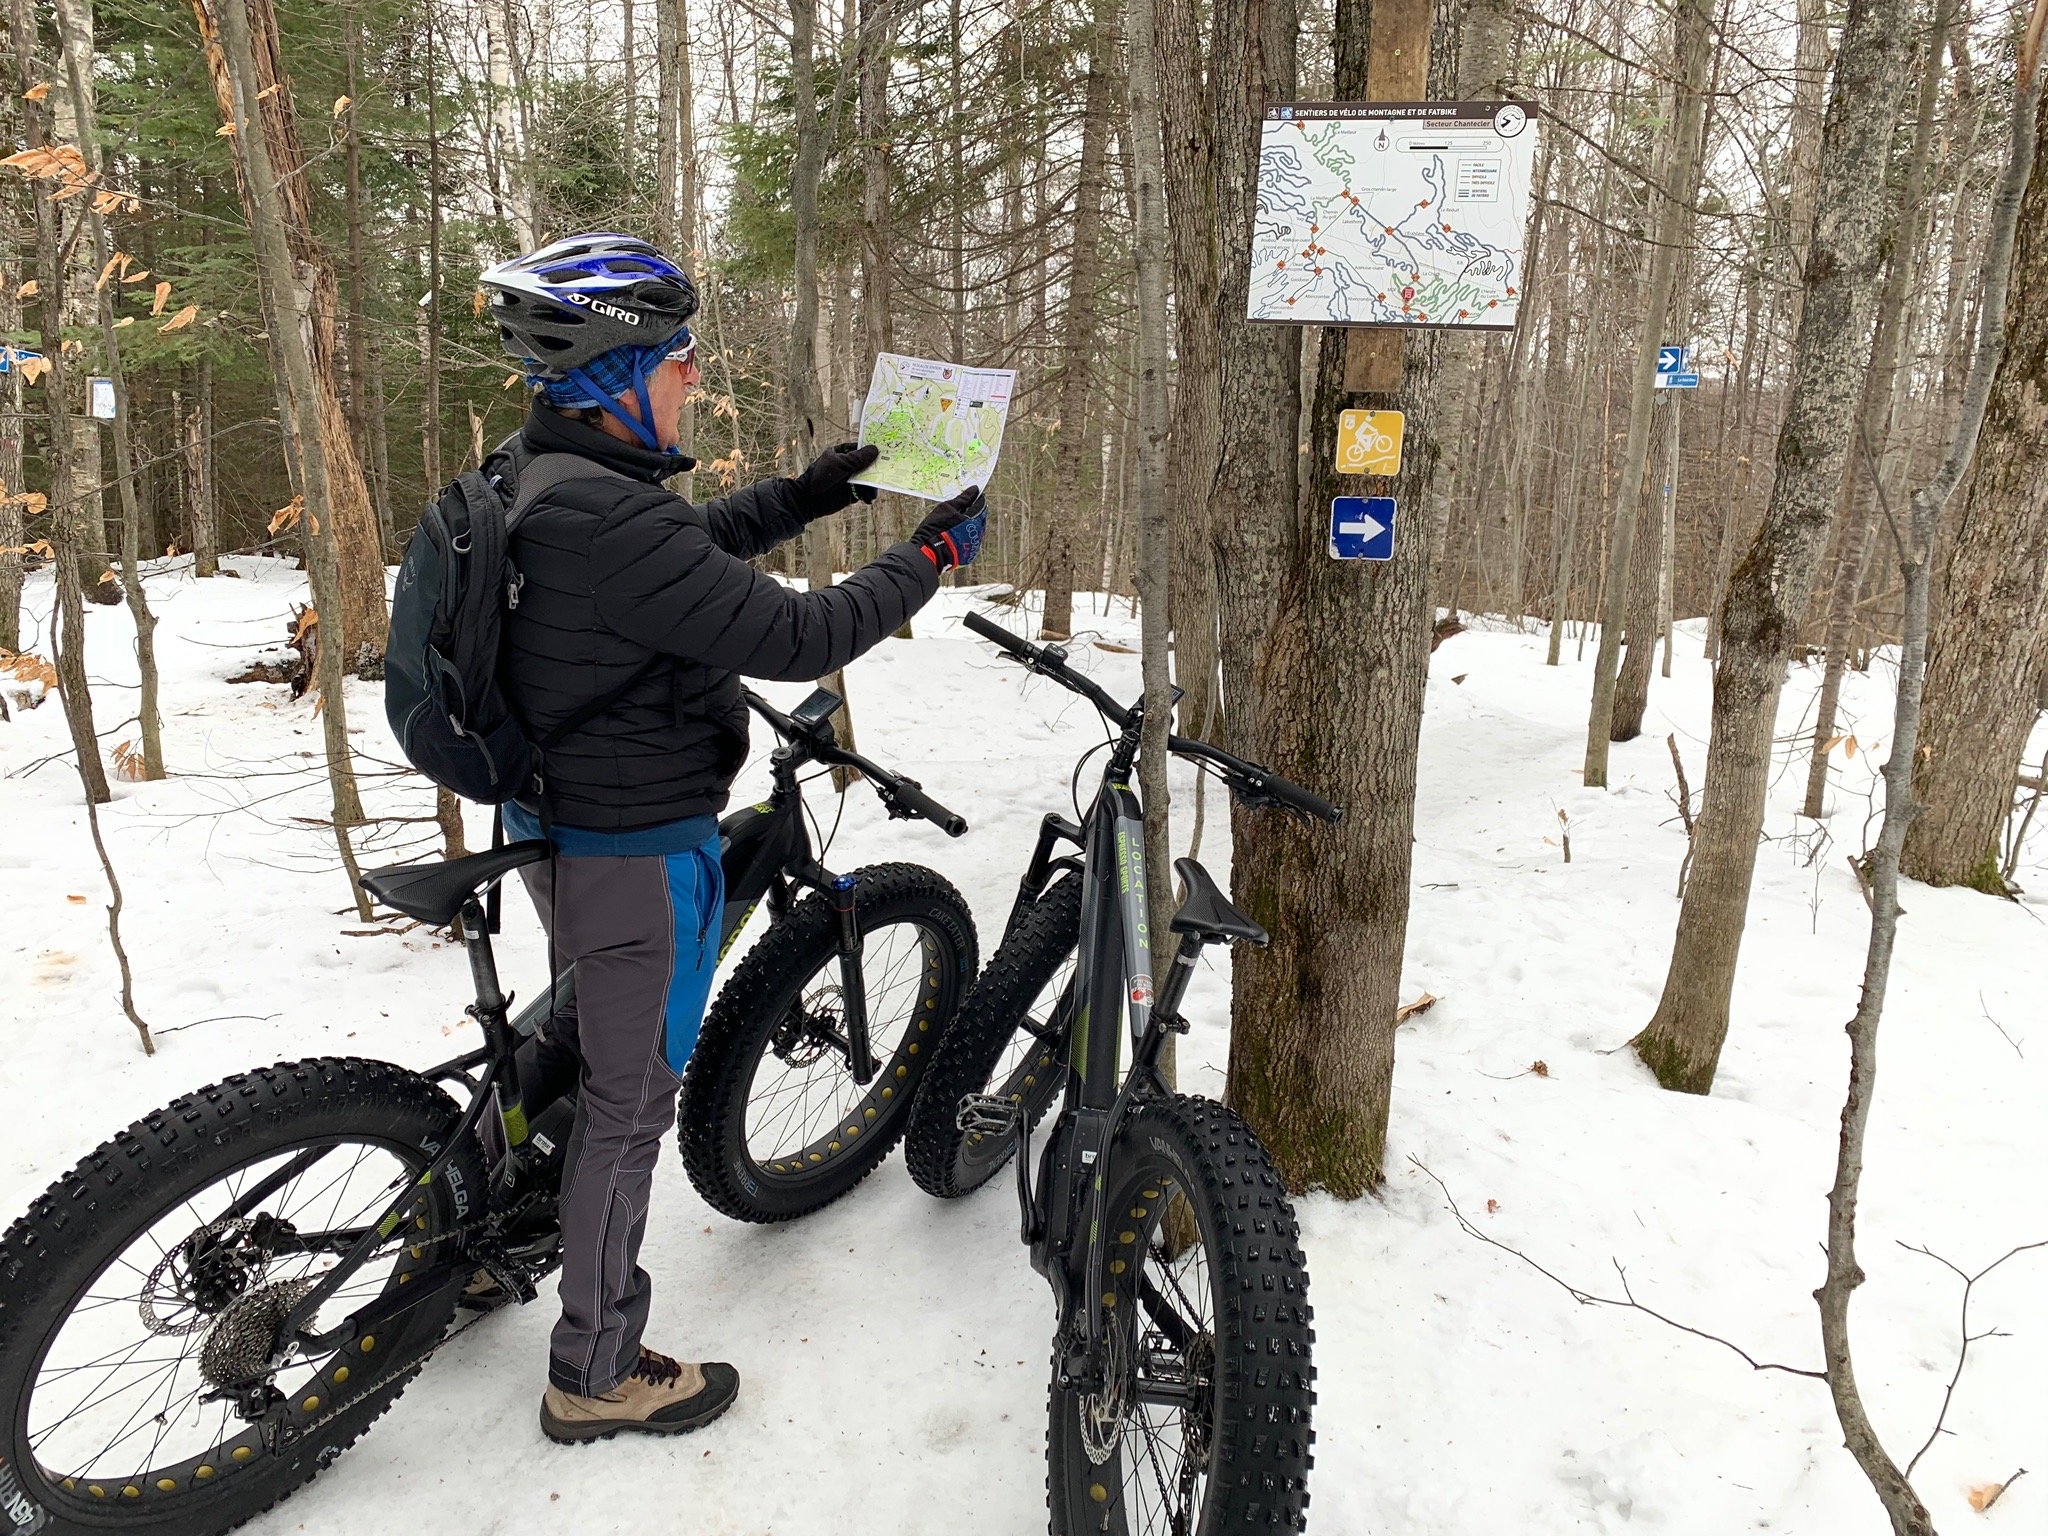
(641, 932)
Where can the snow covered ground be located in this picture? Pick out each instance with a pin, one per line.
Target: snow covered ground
(894, 1350)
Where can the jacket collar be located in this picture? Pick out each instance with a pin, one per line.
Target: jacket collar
(549, 431)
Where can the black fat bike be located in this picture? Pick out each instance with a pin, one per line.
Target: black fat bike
(216, 1303)
(1181, 1381)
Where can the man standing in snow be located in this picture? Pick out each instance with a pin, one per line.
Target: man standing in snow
(633, 594)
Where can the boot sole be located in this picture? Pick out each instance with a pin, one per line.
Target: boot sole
(581, 1433)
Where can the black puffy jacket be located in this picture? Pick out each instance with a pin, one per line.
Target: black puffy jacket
(619, 572)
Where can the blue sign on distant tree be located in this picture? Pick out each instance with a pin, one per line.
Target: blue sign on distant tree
(1674, 369)
(1362, 528)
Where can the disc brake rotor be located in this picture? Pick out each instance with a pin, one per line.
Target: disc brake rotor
(1104, 1410)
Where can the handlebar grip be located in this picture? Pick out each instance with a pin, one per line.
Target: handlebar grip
(918, 803)
(1300, 799)
(1020, 649)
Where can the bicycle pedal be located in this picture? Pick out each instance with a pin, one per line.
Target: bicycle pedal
(989, 1114)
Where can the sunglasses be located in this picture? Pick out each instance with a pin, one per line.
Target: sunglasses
(684, 350)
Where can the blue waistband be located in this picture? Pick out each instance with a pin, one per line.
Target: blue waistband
(586, 842)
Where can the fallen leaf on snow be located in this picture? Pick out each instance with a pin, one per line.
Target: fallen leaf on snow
(76, 901)
(1540, 1068)
(1492, 1206)
(1408, 1011)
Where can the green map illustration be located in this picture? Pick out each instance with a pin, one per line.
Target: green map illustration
(939, 426)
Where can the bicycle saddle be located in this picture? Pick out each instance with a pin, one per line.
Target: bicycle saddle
(435, 892)
(1208, 912)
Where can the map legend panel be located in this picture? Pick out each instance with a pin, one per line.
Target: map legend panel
(1392, 213)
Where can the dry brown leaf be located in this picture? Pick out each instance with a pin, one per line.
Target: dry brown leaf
(76, 901)
(1114, 648)
(1540, 1068)
(1422, 1004)
(287, 516)
(180, 320)
(33, 368)
(119, 259)
(1984, 1495)
(107, 202)
(1492, 1206)
(37, 91)
(163, 297)
(71, 345)
(477, 302)
(308, 619)
(28, 290)
(224, 131)
(315, 523)
(27, 667)
(128, 764)
(124, 320)
(140, 276)
(510, 380)
(319, 703)
(1848, 746)
(341, 104)
(269, 91)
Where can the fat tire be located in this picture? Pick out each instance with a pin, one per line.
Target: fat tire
(74, 1229)
(937, 1150)
(712, 1113)
(1258, 1280)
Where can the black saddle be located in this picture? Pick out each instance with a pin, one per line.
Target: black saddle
(1208, 912)
(435, 892)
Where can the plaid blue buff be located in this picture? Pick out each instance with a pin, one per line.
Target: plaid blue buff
(613, 373)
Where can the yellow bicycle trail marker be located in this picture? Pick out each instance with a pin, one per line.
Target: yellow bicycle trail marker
(1369, 442)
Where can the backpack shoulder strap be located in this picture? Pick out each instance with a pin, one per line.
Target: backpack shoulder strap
(544, 471)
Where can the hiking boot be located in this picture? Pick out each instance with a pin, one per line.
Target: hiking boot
(659, 1397)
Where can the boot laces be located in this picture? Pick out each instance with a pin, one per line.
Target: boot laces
(657, 1369)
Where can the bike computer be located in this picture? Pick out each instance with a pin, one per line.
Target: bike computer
(821, 706)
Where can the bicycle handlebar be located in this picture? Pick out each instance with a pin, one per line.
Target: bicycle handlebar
(900, 796)
(1255, 784)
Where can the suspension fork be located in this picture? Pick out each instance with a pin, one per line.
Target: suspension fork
(853, 986)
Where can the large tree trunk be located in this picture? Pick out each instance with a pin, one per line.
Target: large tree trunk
(13, 423)
(1857, 508)
(1342, 676)
(360, 611)
(1680, 168)
(1190, 171)
(288, 302)
(1988, 661)
(1066, 528)
(1767, 593)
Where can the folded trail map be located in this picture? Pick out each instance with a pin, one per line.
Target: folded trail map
(939, 426)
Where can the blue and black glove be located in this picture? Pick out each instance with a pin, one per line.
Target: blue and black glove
(821, 487)
(951, 534)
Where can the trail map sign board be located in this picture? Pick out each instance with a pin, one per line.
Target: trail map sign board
(1393, 213)
(939, 426)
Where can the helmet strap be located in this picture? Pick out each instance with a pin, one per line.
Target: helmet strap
(639, 427)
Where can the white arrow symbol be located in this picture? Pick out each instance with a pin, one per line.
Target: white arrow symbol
(1368, 528)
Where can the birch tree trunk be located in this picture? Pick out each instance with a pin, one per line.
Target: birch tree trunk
(360, 612)
(1768, 590)
(1067, 527)
(1988, 660)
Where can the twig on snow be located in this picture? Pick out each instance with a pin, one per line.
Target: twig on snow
(1587, 1298)
(1968, 1338)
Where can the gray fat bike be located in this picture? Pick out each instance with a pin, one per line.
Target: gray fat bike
(1182, 1386)
(215, 1304)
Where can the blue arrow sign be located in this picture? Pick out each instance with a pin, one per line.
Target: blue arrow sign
(1671, 359)
(1362, 528)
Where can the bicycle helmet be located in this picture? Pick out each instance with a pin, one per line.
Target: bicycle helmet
(563, 307)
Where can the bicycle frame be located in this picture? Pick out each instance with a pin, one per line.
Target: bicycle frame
(1113, 998)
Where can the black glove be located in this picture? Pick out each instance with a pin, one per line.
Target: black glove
(822, 490)
(951, 533)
